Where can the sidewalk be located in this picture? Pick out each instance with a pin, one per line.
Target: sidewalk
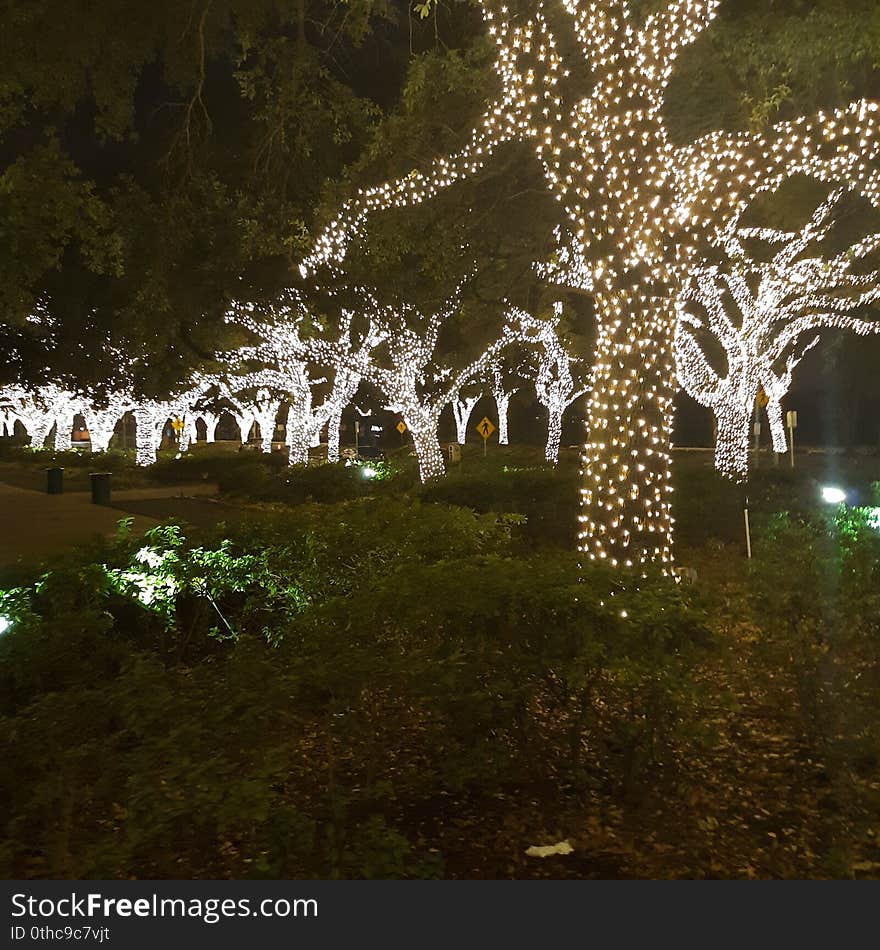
(34, 525)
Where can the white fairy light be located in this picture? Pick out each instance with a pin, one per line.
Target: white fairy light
(462, 410)
(407, 372)
(638, 208)
(555, 386)
(288, 358)
(502, 393)
(766, 315)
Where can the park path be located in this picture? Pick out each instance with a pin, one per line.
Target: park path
(34, 525)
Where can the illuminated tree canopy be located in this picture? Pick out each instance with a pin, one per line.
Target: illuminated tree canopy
(764, 316)
(638, 207)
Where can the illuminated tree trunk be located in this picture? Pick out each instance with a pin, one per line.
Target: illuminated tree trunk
(101, 425)
(38, 427)
(554, 433)
(732, 443)
(428, 451)
(63, 430)
(463, 409)
(244, 420)
(147, 436)
(265, 417)
(625, 502)
(298, 445)
(211, 422)
(777, 427)
(502, 401)
(333, 427)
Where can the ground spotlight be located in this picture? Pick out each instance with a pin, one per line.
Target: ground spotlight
(833, 495)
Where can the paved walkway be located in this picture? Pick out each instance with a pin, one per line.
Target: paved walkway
(34, 525)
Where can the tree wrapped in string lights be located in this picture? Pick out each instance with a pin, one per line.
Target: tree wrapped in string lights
(402, 362)
(638, 208)
(764, 315)
(29, 409)
(102, 415)
(462, 409)
(288, 358)
(555, 385)
(500, 380)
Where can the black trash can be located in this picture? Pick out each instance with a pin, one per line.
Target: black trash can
(54, 481)
(100, 488)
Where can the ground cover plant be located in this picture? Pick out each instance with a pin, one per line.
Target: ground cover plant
(362, 677)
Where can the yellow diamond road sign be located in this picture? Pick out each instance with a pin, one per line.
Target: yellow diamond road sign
(177, 425)
(761, 399)
(485, 427)
(401, 427)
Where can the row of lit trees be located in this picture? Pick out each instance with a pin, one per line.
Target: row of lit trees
(393, 348)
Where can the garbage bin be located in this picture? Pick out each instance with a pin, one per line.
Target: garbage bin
(100, 488)
(54, 481)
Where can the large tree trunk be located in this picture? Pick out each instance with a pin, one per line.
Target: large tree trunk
(427, 445)
(625, 501)
(211, 422)
(267, 431)
(244, 421)
(298, 434)
(554, 434)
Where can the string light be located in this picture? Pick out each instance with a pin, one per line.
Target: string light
(462, 410)
(407, 371)
(502, 396)
(637, 208)
(555, 386)
(765, 316)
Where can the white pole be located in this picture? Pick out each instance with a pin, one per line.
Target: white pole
(748, 534)
(791, 443)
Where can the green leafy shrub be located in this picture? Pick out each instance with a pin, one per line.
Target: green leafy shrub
(546, 497)
(284, 699)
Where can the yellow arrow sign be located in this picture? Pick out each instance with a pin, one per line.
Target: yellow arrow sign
(401, 427)
(177, 425)
(485, 427)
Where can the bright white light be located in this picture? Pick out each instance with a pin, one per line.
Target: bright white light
(369, 472)
(834, 496)
(5, 624)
